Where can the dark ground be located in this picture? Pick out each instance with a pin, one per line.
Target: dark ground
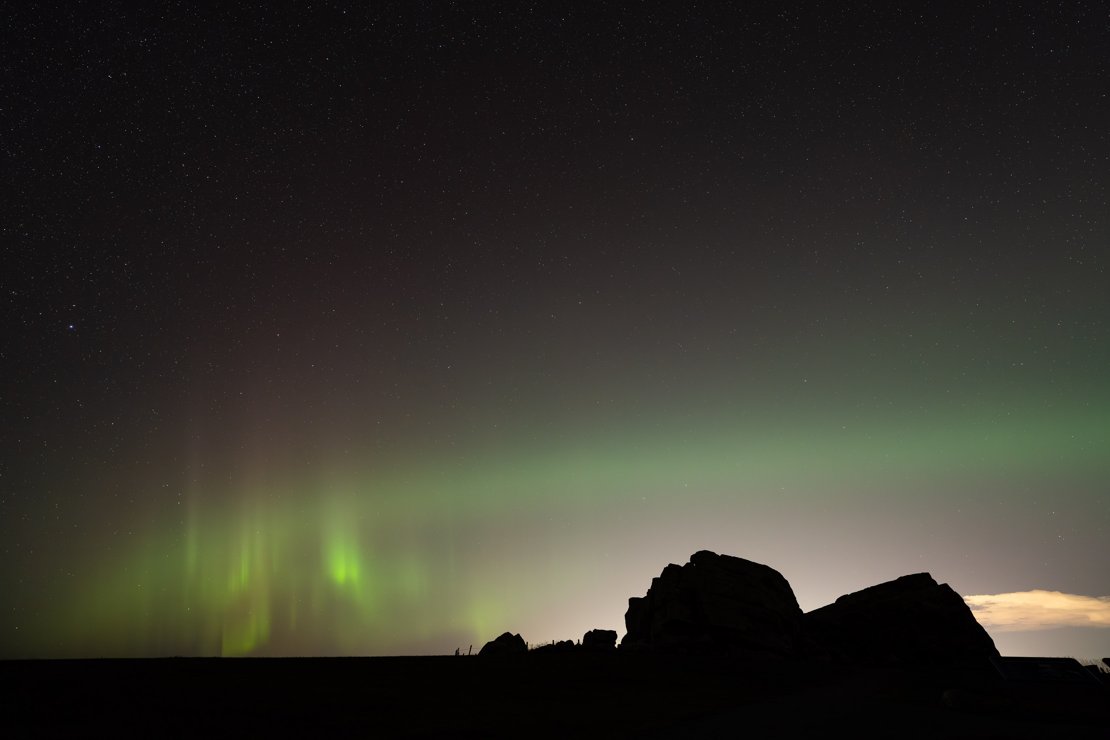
(555, 695)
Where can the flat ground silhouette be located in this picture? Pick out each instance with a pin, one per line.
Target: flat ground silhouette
(615, 694)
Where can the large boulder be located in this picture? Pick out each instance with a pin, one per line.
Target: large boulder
(716, 604)
(506, 644)
(910, 620)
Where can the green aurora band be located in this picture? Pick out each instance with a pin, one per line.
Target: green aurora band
(408, 560)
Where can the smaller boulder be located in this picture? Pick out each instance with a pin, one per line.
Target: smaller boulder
(910, 620)
(600, 640)
(506, 644)
(562, 646)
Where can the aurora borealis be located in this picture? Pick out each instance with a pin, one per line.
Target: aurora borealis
(377, 329)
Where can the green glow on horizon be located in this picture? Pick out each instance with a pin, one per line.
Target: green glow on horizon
(244, 635)
(329, 559)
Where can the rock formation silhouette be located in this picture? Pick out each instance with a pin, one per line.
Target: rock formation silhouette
(716, 604)
(912, 619)
(562, 646)
(506, 644)
(599, 640)
(728, 606)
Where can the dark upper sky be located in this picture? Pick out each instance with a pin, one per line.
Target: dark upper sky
(386, 328)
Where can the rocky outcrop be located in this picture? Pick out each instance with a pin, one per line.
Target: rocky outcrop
(562, 646)
(599, 640)
(728, 606)
(912, 619)
(716, 604)
(506, 644)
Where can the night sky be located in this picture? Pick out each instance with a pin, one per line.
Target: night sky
(383, 329)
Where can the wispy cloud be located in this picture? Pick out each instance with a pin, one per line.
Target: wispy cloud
(1039, 610)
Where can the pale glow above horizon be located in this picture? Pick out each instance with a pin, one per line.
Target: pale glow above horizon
(1023, 611)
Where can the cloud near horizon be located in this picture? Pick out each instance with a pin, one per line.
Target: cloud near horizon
(1039, 610)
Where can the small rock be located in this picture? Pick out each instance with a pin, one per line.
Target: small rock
(506, 644)
(600, 640)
